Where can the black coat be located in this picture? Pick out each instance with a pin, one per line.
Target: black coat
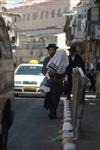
(44, 70)
(77, 62)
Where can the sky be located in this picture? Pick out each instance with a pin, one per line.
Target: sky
(12, 2)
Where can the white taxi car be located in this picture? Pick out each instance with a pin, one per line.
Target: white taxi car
(27, 79)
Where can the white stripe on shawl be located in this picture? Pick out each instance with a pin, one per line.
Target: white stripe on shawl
(59, 62)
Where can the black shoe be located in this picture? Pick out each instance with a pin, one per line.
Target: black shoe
(52, 116)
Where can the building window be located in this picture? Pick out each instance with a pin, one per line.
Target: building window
(41, 15)
(52, 13)
(28, 16)
(46, 14)
(59, 12)
(24, 17)
(32, 43)
(15, 19)
(65, 10)
(35, 15)
(79, 16)
(95, 14)
(79, 25)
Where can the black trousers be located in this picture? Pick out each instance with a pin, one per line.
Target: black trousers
(52, 99)
(69, 86)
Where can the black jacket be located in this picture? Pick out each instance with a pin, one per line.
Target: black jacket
(44, 70)
(77, 62)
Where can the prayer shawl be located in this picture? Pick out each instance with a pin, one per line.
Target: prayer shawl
(58, 64)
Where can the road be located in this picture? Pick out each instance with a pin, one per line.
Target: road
(32, 127)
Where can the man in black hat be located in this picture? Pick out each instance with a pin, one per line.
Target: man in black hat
(47, 102)
(51, 51)
(75, 60)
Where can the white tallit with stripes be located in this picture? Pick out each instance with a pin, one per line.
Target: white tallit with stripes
(58, 63)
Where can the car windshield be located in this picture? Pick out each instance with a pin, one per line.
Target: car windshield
(29, 70)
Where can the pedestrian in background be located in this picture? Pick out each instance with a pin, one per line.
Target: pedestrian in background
(75, 60)
(56, 69)
(51, 51)
(92, 77)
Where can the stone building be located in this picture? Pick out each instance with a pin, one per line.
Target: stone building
(39, 24)
(83, 28)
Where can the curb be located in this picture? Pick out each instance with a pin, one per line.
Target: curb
(68, 142)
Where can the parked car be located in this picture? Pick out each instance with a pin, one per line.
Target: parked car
(7, 106)
(27, 79)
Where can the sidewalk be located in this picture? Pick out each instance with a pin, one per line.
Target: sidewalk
(90, 130)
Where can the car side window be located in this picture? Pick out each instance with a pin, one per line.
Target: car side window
(5, 48)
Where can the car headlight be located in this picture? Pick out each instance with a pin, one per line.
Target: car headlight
(17, 82)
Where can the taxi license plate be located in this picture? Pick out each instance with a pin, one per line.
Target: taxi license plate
(29, 88)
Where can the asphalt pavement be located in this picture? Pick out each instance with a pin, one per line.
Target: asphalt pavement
(32, 127)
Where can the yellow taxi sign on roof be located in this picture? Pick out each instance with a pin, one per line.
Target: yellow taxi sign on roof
(33, 61)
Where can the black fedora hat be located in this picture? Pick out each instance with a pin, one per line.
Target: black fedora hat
(52, 45)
